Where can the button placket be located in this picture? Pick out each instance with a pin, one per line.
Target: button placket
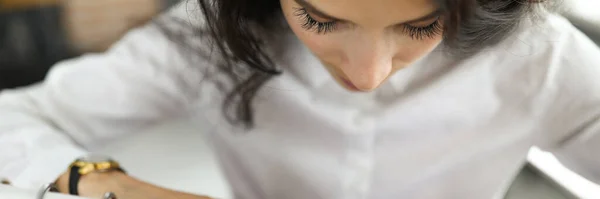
(359, 160)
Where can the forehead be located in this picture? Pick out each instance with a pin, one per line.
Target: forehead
(375, 12)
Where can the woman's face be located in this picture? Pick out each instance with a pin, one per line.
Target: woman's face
(363, 42)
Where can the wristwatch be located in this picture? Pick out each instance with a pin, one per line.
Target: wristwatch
(88, 164)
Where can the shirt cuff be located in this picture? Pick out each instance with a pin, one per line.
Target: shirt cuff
(46, 166)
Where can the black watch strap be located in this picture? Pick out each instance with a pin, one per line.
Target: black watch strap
(74, 178)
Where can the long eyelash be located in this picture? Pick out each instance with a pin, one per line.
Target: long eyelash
(313, 25)
(421, 33)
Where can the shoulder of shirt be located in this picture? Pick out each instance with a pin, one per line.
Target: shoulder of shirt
(538, 35)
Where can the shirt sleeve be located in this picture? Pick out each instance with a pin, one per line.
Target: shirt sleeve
(88, 101)
(571, 126)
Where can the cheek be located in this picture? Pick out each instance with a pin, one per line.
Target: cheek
(410, 51)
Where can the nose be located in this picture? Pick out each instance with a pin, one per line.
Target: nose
(368, 62)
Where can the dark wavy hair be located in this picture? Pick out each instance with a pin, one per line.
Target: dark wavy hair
(237, 28)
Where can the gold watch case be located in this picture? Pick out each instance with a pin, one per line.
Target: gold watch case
(95, 164)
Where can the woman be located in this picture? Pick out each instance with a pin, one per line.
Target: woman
(326, 99)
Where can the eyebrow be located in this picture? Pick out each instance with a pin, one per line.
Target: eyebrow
(322, 14)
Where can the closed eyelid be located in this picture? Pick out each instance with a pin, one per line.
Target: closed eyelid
(313, 10)
(318, 13)
(304, 11)
(426, 22)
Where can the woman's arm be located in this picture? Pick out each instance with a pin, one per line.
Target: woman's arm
(86, 102)
(571, 127)
(95, 185)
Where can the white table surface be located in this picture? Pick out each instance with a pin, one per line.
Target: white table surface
(172, 155)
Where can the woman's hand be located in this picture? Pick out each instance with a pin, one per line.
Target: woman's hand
(94, 185)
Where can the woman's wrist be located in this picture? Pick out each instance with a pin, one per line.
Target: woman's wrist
(94, 185)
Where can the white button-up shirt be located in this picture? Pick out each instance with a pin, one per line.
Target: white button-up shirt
(436, 129)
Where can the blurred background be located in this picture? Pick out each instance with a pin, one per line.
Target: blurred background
(35, 34)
